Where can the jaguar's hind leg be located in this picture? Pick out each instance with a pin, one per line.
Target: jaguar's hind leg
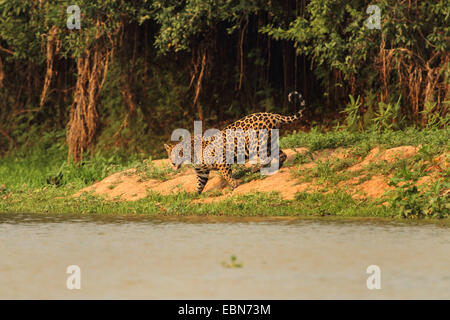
(282, 158)
(225, 171)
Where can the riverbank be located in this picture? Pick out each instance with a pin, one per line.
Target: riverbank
(339, 173)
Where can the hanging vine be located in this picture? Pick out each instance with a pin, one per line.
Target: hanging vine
(92, 68)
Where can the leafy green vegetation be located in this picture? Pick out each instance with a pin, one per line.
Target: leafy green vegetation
(154, 66)
(107, 95)
(346, 54)
(233, 263)
(409, 202)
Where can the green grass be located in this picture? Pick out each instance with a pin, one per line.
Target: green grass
(29, 181)
(147, 170)
(437, 140)
(329, 171)
(33, 167)
(300, 158)
(52, 200)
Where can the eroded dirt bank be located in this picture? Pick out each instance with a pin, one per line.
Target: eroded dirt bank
(326, 170)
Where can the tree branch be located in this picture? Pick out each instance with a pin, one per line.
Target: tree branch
(6, 50)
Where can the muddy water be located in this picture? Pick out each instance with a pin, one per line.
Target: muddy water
(129, 257)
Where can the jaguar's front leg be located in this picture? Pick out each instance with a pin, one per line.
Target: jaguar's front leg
(202, 177)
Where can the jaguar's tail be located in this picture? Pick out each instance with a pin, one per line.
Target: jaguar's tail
(300, 102)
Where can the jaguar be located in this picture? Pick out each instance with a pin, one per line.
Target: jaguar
(241, 144)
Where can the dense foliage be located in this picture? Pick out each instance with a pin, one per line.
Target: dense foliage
(138, 69)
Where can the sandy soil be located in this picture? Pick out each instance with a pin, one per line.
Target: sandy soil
(129, 185)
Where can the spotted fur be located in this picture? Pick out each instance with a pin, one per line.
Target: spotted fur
(257, 122)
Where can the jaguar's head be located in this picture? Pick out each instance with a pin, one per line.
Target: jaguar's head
(173, 157)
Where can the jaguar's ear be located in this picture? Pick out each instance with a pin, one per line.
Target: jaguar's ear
(167, 147)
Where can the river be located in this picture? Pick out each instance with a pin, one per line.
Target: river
(180, 258)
